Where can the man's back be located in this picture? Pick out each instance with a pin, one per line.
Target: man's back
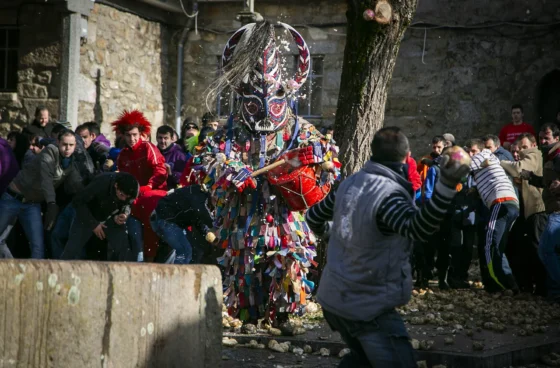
(368, 262)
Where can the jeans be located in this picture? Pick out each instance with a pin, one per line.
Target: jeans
(29, 215)
(175, 236)
(61, 231)
(135, 231)
(494, 266)
(549, 253)
(382, 342)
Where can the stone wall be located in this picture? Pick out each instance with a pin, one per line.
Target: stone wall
(217, 23)
(123, 65)
(39, 63)
(466, 83)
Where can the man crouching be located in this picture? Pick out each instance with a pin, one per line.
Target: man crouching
(368, 271)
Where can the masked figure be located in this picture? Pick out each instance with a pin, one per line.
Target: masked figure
(263, 169)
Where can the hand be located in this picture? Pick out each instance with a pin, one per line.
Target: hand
(243, 180)
(50, 216)
(168, 167)
(98, 231)
(120, 219)
(454, 173)
(108, 165)
(525, 174)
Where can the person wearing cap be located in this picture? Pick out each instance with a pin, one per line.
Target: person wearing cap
(189, 135)
(449, 140)
(100, 209)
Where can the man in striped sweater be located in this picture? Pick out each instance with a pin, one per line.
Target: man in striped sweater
(368, 270)
(497, 194)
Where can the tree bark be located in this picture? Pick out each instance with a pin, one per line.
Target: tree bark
(369, 59)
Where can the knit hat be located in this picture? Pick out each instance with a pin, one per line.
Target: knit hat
(449, 137)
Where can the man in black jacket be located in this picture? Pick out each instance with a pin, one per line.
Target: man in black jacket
(101, 209)
(185, 209)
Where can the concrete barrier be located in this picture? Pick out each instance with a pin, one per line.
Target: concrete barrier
(109, 315)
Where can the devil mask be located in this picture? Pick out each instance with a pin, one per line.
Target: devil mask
(251, 65)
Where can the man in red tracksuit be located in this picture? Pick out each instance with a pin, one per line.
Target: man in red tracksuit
(143, 160)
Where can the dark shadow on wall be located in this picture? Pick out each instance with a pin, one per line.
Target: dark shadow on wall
(179, 348)
(549, 97)
(97, 109)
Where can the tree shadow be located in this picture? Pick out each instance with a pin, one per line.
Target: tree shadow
(191, 345)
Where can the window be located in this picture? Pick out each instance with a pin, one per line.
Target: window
(311, 93)
(9, 42)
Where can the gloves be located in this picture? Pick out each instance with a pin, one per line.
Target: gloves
(243, 180)
(454, 173)
(50, 216)
(428, 162)
(311, 154)
(525, 174)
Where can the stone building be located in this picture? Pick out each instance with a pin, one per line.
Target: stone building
(460, 68)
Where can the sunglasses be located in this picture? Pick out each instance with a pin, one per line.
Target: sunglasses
(191, 127)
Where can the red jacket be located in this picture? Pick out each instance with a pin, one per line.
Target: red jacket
(413, 175)
(146, 164)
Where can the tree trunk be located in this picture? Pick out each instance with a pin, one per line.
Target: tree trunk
(369, 59)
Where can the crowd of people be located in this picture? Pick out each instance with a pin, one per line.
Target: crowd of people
(505, 208)
(73, 195)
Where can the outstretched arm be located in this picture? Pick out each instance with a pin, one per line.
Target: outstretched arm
(317, 216)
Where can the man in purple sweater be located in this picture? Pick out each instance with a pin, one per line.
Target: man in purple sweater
(175, 158)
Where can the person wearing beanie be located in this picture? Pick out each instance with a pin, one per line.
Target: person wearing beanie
(449, 139)
(100, 209)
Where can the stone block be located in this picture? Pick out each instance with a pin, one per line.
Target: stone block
(48, 56)
(99, 56)
(26, 75)
(32, 90)
(101, 43)
(317, 34)
(68, 314)
(30, 104)
(87, 90)
(44, 77)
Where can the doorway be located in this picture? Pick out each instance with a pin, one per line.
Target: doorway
(549, 97)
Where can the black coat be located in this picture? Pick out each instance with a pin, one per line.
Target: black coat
(98, 201)
(187, 206)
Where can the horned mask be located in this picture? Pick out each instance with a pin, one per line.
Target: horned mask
(252, 65)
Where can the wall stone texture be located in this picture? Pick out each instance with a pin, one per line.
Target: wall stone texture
(123, 65)
(38, 70)
(458, 80)
(465, 84)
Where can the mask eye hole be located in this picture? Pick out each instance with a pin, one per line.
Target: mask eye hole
(280, 93)
(252, 108)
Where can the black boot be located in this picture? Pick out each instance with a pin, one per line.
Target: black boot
(456, 283)
(441, 280)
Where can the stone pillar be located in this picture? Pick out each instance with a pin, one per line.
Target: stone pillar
(70, 68)
(96, 314)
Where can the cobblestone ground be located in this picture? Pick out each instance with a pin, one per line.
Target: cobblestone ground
(254, 358)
